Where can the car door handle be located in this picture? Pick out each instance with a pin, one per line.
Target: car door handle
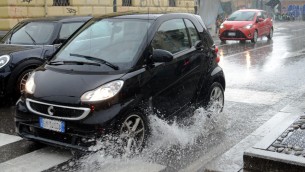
(186, 62)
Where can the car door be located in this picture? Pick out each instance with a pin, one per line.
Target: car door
(260, 25)
(169, 80)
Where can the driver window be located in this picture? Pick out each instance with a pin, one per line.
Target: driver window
(171, 36)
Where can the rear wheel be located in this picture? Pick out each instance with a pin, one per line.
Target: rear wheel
(270, 34)
(223, 41)
(216, 98)
(255, 36)
(242, 41)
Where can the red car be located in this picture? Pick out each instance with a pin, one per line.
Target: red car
(247, 24)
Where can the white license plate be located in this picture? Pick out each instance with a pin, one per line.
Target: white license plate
(51, 124)
(232, 34)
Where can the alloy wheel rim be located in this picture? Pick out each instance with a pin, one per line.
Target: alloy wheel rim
(132, 133)
(216, 100)
(23, 82)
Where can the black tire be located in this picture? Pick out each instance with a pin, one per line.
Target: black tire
(242, 41)
(135, 138)
(20, 84)
(223, 41)
(255, 36)
(270, 34)
(215, 98)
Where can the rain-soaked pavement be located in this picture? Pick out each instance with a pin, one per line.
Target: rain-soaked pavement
(261, 79)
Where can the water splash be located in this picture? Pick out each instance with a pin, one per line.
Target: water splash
(166, 138)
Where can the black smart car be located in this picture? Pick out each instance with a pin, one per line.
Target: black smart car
(115, 71)
(27, 46)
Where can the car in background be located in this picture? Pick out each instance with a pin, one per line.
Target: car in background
(246, 24)
(113, 73)
(28, 45)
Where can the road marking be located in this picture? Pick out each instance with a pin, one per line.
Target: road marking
(36, 161)
(7, 139)
(252, 96)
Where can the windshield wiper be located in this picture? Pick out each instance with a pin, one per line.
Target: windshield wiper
(101, 61)
(72, 63)
(30, 37)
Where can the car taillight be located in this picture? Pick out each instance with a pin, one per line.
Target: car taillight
(216, 49)
(217, 59)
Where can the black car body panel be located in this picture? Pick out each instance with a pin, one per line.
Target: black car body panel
(26, 56)
(165, 89)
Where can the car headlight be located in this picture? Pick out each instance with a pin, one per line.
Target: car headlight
(103, 92)
(249, 26)
(30, 84)
(4, 60)
(221, 26)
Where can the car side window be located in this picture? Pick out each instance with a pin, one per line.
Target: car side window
(67, 29)
(171, 36)
(192, 31)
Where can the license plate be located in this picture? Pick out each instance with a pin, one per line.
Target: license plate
(232, 34)
(51, 124)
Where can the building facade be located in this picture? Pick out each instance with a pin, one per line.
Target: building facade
(13, 11)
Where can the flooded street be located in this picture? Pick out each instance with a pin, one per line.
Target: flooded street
(261, 79)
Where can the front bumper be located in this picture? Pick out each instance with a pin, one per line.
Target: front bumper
(79, 134)
(237, 34)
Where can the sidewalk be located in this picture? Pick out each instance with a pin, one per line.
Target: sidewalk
(233, 159)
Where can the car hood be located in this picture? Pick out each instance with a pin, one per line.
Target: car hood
(10, 48)
(67, 87)
(236, 24)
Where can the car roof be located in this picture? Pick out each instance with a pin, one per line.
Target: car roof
(60, 19)
(139, 15)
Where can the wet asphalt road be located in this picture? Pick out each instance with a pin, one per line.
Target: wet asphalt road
(261, 79)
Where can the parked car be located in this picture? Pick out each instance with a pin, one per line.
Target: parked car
(114, 72)
(28, 45)
(247, 24)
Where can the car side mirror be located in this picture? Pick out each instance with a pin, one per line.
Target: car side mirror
(160, 55)
(259, 20)
(198, 45)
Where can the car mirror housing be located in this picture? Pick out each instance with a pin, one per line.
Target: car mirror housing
(160, 55)
(198, 45)
(259, 20)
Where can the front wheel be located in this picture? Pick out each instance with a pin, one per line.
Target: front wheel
(216, 98)
(134, 132)
(255, 36)
(22, 80)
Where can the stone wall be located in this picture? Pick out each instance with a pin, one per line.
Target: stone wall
(13, 11)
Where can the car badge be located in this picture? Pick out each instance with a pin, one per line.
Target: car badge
(51, 110)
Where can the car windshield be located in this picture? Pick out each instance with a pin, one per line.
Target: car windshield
(242, 16)
(116, 41)
(33, 33)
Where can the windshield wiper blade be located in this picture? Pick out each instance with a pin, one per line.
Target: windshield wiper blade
(115, 67)
(72, 63)
(30, 37)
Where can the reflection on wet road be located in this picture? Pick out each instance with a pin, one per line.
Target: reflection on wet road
(261, 79)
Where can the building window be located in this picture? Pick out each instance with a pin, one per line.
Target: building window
(61, 3)
(172, 3)
(126, 2)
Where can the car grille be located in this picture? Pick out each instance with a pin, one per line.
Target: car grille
(238, 34)
(57, 111)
